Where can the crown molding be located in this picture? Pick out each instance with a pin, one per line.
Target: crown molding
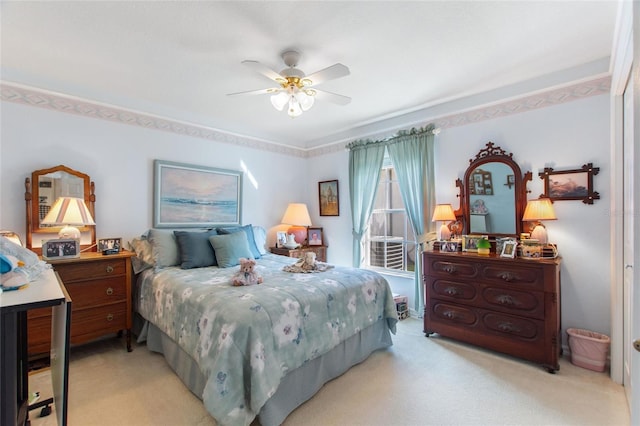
(16, 93)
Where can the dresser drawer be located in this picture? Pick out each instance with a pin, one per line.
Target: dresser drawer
(97, 292)
(453, 313)
(513, 327)
(530, 304)
(91, 270)
(530, 278)
(89, 323)
(442, 267)
(454, 290)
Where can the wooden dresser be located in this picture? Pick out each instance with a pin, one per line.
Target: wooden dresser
(507, 305)
(320, 251)
(100, 290)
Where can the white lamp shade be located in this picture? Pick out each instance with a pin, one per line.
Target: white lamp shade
(71, 212)
(279, 100)
(443, 212)
(540, 209)
(297, 214)
(306, 101)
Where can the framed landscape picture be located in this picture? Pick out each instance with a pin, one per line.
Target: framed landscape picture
(328, 194)
(575, 184)
(186, 195)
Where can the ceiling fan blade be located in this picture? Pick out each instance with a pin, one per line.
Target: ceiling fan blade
(329, 73)
(264, 70)
(269, 91)
(332, 97)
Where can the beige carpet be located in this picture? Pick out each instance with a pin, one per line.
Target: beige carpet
(419, 381)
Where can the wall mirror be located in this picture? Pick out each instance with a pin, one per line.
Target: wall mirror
(493, 194)
(42, 190)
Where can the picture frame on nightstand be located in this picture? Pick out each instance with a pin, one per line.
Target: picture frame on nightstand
(314, 236)
(281, 238)
(109, 245)
(64, 248)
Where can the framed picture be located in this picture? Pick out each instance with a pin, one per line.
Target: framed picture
(531, 250)
(470, 242)
(509, 249)
(576, 184)
(328, 195)
(449, 246)
(281, 238)
(188, 196)
(109, 245)
(314, 236)
(61, 249)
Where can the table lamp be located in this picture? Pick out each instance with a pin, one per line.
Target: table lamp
(538, 210)
(297, 216)
(69, 212)
(443, 213)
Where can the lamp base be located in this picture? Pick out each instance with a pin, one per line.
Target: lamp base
(540, 233)
(299, 232)
(445, 233)
(69, 232)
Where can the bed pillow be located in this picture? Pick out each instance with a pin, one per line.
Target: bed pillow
(248, 230)
(144, 254)
(164, 248)
(195, 249)
(229, 248)
(260, 238)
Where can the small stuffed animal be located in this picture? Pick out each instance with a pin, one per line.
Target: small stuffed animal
(246, 275)
(308, 261)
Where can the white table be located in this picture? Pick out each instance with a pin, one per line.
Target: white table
(46, 290)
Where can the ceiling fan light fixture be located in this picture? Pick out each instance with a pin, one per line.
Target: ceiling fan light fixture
(295, 109)
(305, 101)
(279, 100)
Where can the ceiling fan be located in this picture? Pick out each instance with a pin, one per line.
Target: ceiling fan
(294, 89)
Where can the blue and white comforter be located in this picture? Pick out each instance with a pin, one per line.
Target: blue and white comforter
(246, 339)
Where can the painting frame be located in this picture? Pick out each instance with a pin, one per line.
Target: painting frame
(470, 242)
(449, 246)
(281, 239)
(70, 248)
(329, 198)
(572, 184)
(193, 196)
(318, 239)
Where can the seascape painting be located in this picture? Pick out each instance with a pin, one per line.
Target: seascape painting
(568, 185)
(196, 196)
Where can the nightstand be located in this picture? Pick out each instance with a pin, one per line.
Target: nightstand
(100, 290)
(320, 251)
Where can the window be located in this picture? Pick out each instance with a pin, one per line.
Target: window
(390, 242)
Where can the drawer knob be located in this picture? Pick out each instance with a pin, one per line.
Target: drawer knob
(449, 269)
(507, 276)
(505, 299)
(109, 269)
(451, 291)
(449, 314)
(109, 317)
(109, 291)
(507, 327)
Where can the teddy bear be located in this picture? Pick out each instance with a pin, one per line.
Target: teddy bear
(308, 261)
(246, 275)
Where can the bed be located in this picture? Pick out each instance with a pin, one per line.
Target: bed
(255, 351)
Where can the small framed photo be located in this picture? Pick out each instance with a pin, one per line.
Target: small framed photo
(531, 250)
(68, 248)
(470, 242)
(109, 245)
(509, 249)
(449, 246)
(314, 236)
(281, 238)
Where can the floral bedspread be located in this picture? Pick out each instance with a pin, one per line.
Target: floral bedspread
(246, 339)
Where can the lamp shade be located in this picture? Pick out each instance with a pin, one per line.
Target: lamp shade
(537, 210)
(444, 213)
(297, 215)
(71, 212)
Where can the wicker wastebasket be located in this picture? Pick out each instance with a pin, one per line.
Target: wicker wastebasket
(588, 348)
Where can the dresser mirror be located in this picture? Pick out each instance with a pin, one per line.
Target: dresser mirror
(42, 190)
(493, 194)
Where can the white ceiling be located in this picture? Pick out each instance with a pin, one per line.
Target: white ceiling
(180, 59)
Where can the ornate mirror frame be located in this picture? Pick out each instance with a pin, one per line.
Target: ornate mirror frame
(32, 198)
(494, 154)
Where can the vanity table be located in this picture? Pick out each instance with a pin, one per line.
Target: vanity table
(510, 305)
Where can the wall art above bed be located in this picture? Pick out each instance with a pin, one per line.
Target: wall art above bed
(190, 196)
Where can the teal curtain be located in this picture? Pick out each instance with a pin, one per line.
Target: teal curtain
(365, 163)
(412, 155)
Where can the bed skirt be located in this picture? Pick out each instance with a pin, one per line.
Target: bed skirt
(297, 386)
